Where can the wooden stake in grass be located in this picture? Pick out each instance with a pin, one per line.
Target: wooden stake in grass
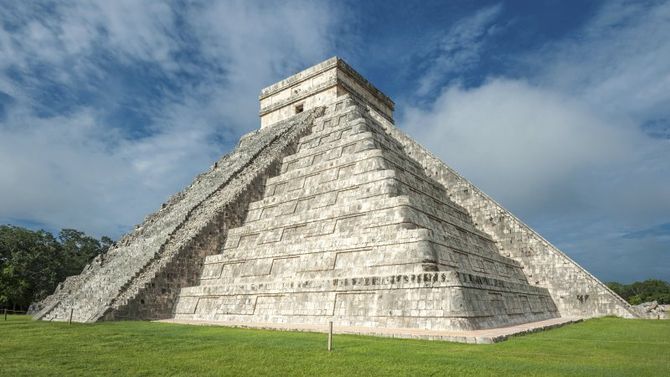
(71, 311)
(330, 336)
(5, 314)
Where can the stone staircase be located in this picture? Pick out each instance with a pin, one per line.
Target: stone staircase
(113, 282)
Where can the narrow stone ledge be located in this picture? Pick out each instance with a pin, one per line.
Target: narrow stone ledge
(487, 336)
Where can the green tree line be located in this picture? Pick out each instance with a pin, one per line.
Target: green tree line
(33, 262)
(643, 291)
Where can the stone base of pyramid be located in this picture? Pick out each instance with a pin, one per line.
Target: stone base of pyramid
(486, 336)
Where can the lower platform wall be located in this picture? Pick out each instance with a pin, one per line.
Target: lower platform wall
(441, 300)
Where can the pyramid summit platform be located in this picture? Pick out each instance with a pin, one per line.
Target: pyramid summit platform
(329, 212)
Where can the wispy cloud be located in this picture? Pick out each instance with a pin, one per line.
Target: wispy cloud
(458, 50)
(662, 230)
(617, 63)
(108, 108)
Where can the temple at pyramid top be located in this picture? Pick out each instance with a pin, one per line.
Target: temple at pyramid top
(317, 86)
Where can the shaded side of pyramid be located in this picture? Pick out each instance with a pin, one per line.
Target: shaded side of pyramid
(140, 276)
(575, 291)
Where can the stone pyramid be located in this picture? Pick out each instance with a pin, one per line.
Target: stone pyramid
(330, 213)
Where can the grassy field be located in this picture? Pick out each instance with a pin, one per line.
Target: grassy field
(600, 347)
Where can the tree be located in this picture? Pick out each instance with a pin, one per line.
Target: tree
(32, 263)
(78, 249)
(28, 264)
(643, 291)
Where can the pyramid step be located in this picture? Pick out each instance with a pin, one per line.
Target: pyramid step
(342, 120)
(381, 249)
(389, 234)
(376, 207)
(351, 144)
(364, 161)
(360, 282)
(329, 136)
(307, 192)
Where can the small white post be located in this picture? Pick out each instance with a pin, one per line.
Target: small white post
(330, 336)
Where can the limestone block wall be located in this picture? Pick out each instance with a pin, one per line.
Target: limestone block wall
(158, 250)
(574, 290)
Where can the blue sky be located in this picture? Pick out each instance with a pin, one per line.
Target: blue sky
(559, 110)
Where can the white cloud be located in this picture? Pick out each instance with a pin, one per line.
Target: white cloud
(258, 44)
(517, 141)
(62, 171)
(563, 146)
(75, 168)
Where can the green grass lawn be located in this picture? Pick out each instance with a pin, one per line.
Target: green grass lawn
(600, 347)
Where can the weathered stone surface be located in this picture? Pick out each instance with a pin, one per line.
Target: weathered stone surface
(352, 230)
(316, 86)
(330, 212)
(653, 310)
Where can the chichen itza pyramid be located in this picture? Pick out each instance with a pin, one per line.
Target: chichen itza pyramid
(329, 212)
